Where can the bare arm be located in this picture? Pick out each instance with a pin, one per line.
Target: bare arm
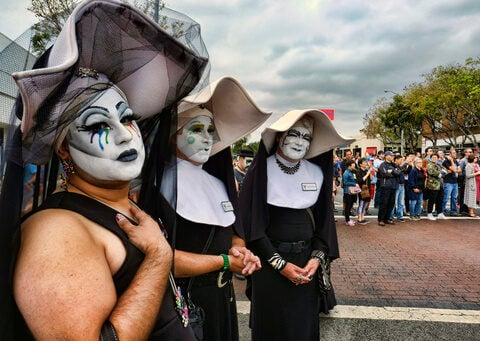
(63, 282)
(188, 264)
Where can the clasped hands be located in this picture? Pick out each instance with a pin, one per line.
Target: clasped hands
(243, 261)
(298, 275)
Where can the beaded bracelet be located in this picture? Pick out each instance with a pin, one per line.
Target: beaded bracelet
(226, 263)
(277, 262)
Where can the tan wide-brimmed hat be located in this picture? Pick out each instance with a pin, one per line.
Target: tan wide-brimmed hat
(109, 37)
(235, 114)
(325, 136)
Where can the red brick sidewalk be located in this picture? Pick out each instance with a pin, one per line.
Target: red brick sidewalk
(416, 264)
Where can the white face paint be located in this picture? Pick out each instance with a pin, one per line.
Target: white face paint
(195, 139)
(105, 141)
(295, 142)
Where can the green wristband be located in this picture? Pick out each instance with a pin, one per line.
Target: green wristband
(226, 263)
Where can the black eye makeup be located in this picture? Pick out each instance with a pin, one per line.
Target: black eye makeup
(296, 133)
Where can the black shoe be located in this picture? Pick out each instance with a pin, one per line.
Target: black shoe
(390, 222)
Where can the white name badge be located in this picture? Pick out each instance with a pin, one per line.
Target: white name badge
(227, 206)
(309, 187)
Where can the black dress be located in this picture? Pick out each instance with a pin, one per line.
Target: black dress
(168, 324)
(218, 303)
(277, 303)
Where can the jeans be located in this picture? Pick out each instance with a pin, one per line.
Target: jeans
(416, 205)
(450, 192)
(399, 202)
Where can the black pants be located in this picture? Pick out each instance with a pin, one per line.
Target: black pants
(349, 201)
(432, 200)
(386, 204)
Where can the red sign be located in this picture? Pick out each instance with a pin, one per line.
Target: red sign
(330, 113)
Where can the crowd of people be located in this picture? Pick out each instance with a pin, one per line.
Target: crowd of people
(438, 184)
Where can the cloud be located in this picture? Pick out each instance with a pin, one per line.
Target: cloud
(339, 54)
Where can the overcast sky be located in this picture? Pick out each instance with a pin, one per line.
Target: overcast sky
(338, 54)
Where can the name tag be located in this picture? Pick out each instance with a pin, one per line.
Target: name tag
(309, 187)
(227, 206)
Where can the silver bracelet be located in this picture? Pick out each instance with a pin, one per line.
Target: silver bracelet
(277, 262)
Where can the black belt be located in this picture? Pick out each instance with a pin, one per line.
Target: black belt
(291, 247)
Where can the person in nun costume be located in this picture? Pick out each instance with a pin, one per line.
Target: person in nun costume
(285, 206)
(198, 186)
(88, 264)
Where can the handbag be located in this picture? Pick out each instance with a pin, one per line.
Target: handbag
(196, 314)
(365, 192)
(353, 189)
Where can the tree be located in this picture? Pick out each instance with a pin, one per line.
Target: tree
(445, 105)
(54, 13)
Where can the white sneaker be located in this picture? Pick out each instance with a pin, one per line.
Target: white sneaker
(441, 216)
(431, 217)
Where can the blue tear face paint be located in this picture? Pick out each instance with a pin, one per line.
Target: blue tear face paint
(195, 139)
(105, 141)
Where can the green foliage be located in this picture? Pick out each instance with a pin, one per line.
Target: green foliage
(444, 105)
(53, 14)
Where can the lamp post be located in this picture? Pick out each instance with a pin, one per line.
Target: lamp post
(155, 13)
(402, 142)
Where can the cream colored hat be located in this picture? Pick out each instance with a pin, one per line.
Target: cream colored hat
(325, 136)
(110, 37)
(235, 114)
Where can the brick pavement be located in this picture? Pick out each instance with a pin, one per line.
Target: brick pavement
(429, 264)
(416, 264)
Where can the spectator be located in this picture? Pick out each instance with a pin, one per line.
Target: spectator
(470, 198)
(349, 180)
(476, 167)
(348, 156)
(416, 186)
(363, 176)
(428, 154)
(388, 178)
(400, 191)
(406, 169)
(441, 156)
(378, 189)
(461, 181)
(244, 159)
(434, 180)
(450, 184)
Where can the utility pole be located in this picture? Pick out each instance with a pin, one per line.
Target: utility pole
(155, 13)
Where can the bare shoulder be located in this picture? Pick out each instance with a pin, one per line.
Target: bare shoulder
(62, 272)
(53, 227)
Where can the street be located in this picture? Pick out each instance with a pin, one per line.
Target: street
(418, 280)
